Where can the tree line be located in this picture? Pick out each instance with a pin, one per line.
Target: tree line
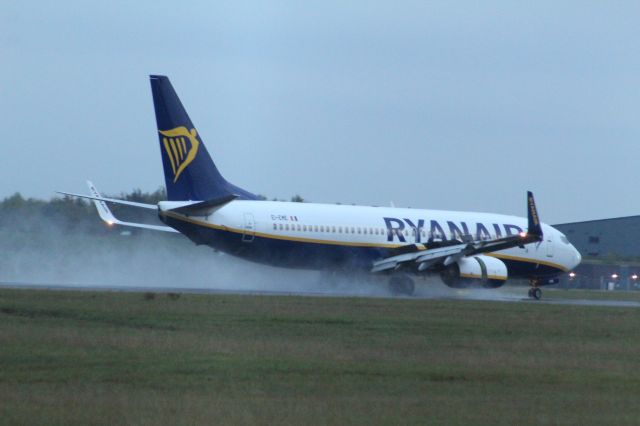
(28, 215)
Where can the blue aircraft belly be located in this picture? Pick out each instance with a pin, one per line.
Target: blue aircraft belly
(282, 253)
(528, 269)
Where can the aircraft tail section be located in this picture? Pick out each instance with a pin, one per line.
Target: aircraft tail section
(189, 171)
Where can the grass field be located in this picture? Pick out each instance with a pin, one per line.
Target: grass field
(630, 295)
(130, 358)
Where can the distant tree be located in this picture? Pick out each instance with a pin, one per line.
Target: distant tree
(297, 199)
(68, 212)
(145, 197)
(132, 214)
(13, 202)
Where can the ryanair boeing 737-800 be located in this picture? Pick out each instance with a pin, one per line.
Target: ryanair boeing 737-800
(466, 249)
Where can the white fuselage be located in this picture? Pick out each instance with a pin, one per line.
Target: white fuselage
(271, 224)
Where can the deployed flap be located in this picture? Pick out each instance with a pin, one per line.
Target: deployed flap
(417, 256)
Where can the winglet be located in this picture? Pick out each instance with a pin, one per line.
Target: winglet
(101, 206)
(533, 227)
(105, 213)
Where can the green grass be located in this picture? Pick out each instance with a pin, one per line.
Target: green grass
(118, 358)
(626, 295)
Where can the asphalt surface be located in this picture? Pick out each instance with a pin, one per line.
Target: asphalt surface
(506, 295)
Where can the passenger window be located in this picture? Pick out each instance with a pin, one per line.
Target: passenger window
(353, 231)
(321, 228)
(286, 227)
(340, 229)
(304, 228)
(280, 226)
(275, 226)
(298, 227)
(315, 228)
(333, 229)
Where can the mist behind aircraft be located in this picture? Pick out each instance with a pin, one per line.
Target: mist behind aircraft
(63, 243)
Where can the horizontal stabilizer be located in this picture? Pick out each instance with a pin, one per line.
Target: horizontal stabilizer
(110, 219)
(203, 208)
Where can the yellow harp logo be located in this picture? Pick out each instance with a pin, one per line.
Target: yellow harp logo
(181, 146)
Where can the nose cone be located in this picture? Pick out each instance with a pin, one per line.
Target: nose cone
(576, 258)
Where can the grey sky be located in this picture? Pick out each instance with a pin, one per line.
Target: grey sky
(448, 105)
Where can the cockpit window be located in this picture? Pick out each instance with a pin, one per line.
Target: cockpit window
(564, 239)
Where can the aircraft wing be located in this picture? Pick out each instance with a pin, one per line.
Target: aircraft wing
(107, 216)
(424, 258)
(110, 200)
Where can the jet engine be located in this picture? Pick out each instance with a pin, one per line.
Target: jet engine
(475, 271)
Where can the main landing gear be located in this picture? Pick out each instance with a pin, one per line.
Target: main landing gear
(401, 284)
(534, 291)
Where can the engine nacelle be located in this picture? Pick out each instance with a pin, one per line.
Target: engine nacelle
(485, 271)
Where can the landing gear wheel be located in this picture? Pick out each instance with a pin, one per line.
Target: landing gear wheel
(536, 293)
(534, 290)
(401, 285)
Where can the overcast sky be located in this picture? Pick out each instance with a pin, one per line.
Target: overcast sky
(447, 105)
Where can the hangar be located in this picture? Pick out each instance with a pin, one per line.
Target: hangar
(611, 253)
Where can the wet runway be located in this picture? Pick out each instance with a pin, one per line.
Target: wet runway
(426, 292)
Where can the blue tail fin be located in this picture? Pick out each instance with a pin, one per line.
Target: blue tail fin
(189, 171)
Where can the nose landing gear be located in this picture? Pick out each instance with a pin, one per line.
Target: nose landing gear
(534, 291)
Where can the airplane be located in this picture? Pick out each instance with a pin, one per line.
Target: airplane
(466, 249)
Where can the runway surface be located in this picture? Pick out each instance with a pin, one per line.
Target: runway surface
(506, 295)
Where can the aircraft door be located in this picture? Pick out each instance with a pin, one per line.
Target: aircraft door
(249, 228)
(549, 244)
